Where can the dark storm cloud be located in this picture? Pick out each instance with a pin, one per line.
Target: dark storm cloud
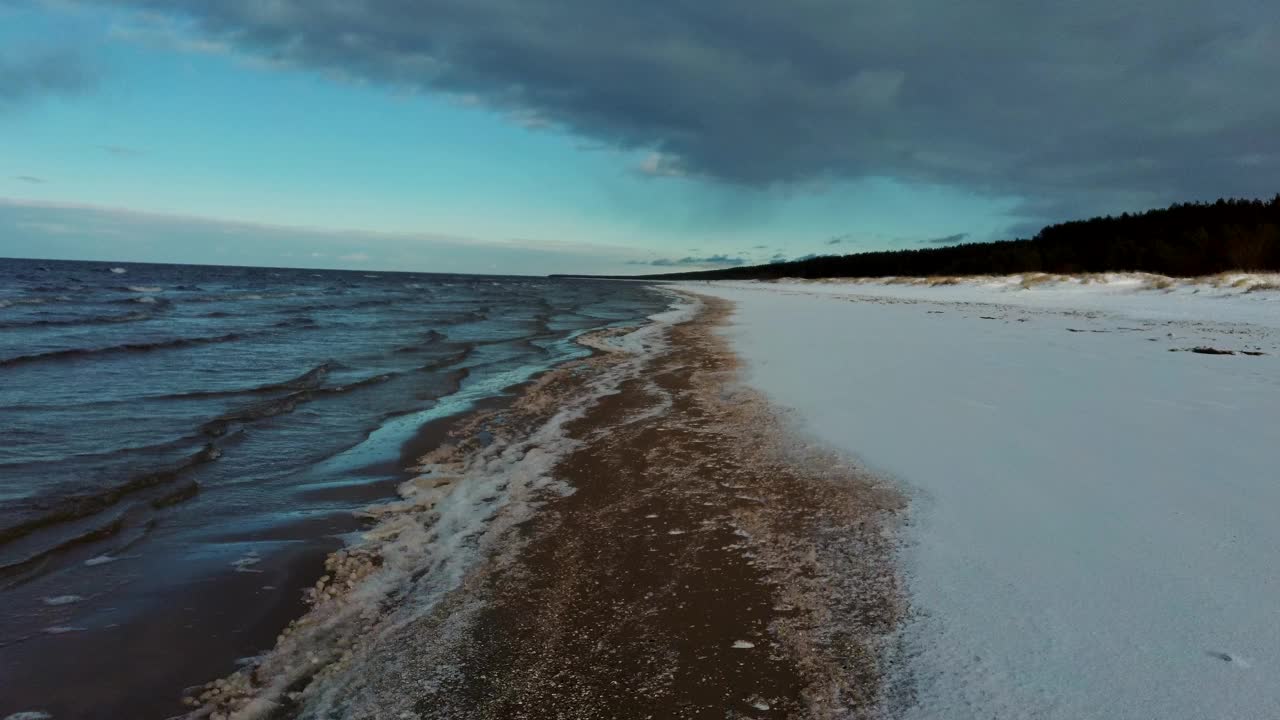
(1076, 107)
(23, 77)
(947, 240)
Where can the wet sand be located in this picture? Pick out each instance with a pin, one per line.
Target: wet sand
(690, 559)
(690, 574)
(196, 632)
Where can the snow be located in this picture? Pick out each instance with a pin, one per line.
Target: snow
(1092, 528)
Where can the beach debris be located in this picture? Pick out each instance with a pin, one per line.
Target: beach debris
(743, 645)
(1208, 350)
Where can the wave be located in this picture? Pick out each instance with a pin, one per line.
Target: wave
(269, 408)
(305, 387)
(100, 532)
(430, 337)
(300, 321)
(72, 353)
(10, 302)
(308, 380)
(81, 505)
(133, 316)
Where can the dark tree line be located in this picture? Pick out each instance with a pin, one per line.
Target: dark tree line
(1182, 240)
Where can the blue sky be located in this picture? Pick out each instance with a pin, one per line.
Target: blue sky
(176, 126)
(179, 127)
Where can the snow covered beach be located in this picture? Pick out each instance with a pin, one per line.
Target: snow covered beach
(1092, 526)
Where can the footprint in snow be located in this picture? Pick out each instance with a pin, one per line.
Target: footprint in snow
(1227, 657)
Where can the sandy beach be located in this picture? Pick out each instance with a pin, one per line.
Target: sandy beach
(1089, 464)
(829, 500)
(661, 549)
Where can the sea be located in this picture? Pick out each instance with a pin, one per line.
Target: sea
(181, 446)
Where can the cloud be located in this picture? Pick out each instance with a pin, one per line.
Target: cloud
(656, 164)
(947, 240)
(1087, 104)
(42, 229)
(723, 260)
(840, 239)
(29, 76)
(159, 31)
(29, 179)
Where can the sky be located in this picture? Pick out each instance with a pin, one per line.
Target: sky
(609, 136)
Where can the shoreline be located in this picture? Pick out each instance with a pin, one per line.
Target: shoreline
(237, 614)
(656, 545)
(274, 586)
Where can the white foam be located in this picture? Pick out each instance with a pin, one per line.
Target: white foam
(246, 562)
(119, 270)
(445, 523)
(145, 288)
(62, 599)
(30, 715)
(100, 560)
(62, 629)
(743, 645)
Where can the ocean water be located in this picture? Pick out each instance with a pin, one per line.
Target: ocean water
(181, 446)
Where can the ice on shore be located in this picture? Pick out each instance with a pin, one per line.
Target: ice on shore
(1092, 521)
